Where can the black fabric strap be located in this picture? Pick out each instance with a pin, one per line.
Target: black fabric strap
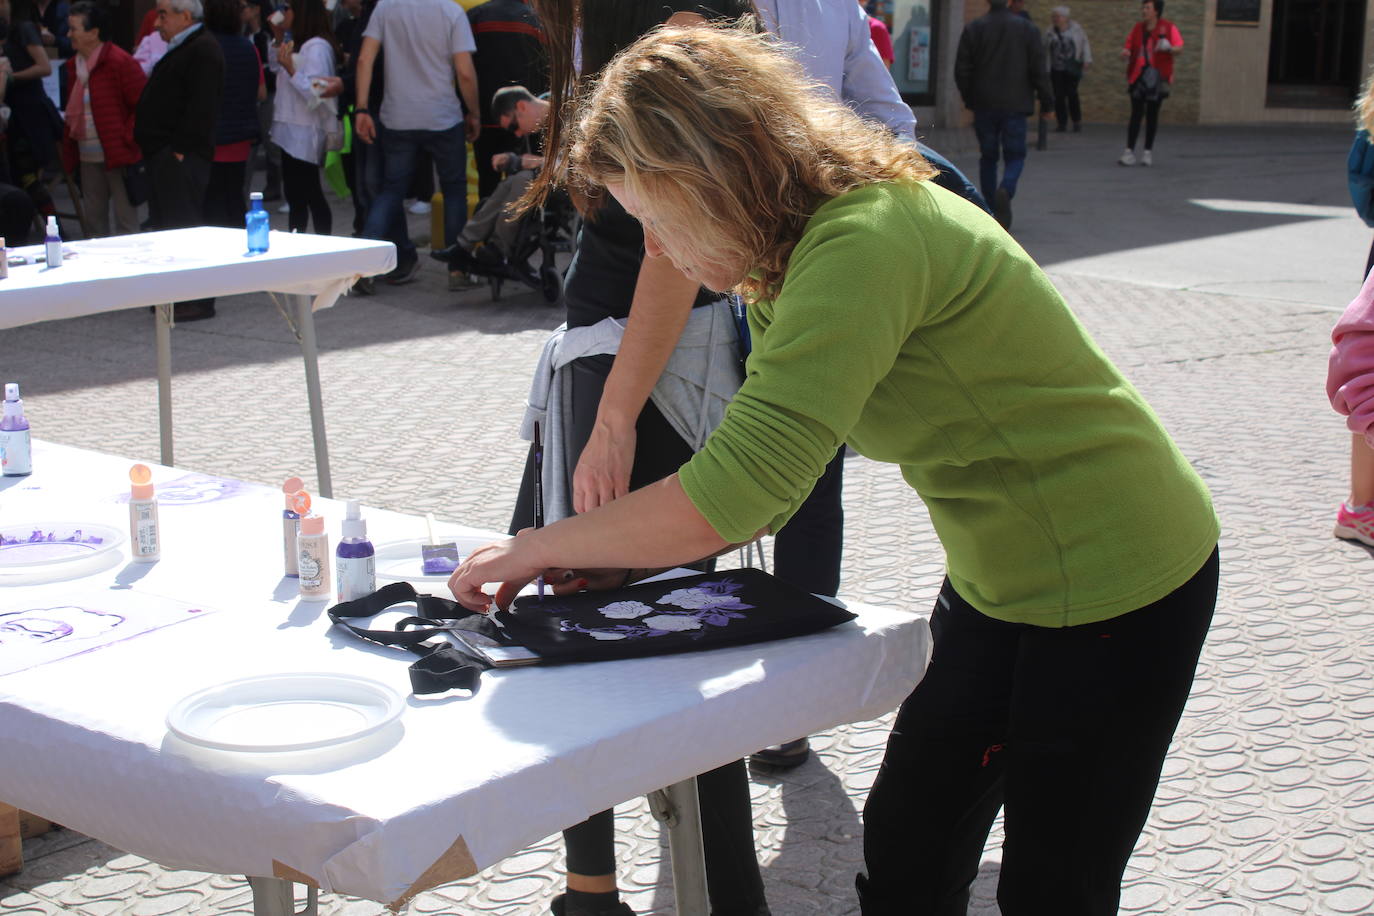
(438, 669)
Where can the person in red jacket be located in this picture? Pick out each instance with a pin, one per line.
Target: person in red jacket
(99, 131)
(1152, 44)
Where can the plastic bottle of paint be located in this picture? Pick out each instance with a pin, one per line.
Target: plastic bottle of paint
(291, 522)
(145, 541)
(52, 244)
(356, 559)
(16, 449)
(313, 562)
(259, 223)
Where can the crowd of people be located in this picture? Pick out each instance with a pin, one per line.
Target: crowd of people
(1004, 65)
(212, 86)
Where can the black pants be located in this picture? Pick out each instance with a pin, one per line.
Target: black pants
(176, 189)
(1065, 728)
(1066, 107)
(224, 203)
(1151, 112)
(301, 184)
(732, 871)
(176, 195)
(16, 215)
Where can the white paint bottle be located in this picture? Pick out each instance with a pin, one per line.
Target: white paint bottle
(312, 558)
(145, 540)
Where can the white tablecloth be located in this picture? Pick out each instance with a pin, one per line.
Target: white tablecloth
(456, 786)
(128, 271)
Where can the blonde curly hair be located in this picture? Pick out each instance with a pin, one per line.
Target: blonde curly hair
(1364, 107)
(734, 147)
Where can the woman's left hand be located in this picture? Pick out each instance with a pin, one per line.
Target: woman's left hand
(286, 57)
(508, 563)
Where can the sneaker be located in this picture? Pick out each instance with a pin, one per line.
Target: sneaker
(404, 273)
(1001, 208)
(1146, 158)
(365, 286)
(1355, 524)
(419, 208)
(460, 280)
(1127, 158)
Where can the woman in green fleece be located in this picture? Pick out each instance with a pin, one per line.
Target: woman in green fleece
(896, 317)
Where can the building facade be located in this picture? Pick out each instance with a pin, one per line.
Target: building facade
(1243, 62)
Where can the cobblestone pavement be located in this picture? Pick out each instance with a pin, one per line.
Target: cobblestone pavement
(1267, 799)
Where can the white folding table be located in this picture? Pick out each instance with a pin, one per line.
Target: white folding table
(160, 268)
(456, 785)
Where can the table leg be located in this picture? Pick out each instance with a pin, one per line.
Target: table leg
(11, 843)
(277, 897)
(305, 329)
(164, 380)
(686, 850)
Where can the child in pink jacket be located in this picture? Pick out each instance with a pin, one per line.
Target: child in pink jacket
(1350, 386)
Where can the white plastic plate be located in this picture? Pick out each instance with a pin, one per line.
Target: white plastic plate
(27, 545)
(285, 712)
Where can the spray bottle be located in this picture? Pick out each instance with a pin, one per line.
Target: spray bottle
(313, 551)
(355, 558)
(52, 244)
(291, 522)
(145, 541)
(16, 449)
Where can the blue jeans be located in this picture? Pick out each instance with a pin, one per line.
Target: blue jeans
(386, 219)
(1004, 132)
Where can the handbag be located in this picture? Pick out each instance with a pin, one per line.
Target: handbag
(1150, 85)
(136, 183)
(690, 614)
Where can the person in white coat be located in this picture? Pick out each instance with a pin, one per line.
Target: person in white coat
(305, 124)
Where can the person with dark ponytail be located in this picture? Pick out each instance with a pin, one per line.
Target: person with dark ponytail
(236, 129)
(303, 121)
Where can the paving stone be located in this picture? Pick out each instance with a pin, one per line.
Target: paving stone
(1266, 801)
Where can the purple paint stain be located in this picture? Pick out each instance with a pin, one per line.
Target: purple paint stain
(194, 489)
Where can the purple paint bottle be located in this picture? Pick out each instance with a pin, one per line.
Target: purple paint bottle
(16, 449)
(355, 559)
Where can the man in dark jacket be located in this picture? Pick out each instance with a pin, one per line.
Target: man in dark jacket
(510, 52)
(174, 124)
(1000, 69)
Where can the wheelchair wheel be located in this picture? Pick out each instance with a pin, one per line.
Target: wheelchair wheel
(551, 283)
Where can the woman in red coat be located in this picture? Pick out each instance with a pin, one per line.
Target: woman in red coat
(99, 132)
(1152, 43)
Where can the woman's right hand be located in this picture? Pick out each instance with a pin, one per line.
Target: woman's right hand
(603, 470)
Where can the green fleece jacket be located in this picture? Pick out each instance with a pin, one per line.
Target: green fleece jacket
(911, 327)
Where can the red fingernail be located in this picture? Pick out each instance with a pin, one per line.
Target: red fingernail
(581, 583)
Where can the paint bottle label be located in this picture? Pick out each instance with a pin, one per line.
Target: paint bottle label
(357, 577)
(16, 453)
(313, 565)
(290, 527)
(143, 530)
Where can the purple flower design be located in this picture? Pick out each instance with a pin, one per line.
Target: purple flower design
(708, 604)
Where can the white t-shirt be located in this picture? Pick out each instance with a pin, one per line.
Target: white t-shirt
(419, 39)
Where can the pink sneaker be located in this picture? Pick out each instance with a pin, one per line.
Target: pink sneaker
(1355, 524)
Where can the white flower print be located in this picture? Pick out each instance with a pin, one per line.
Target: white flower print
(604, 634)
(672, 622)
(693, 599)
(626, 610)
